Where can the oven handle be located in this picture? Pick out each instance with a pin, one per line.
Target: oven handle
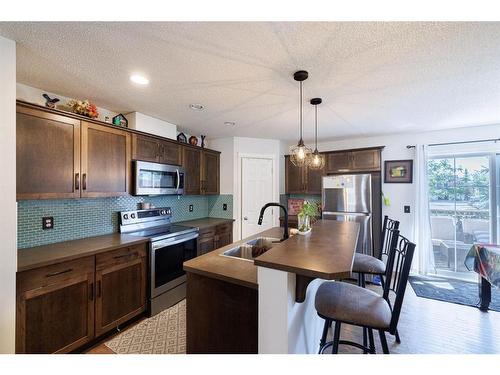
(174, 240)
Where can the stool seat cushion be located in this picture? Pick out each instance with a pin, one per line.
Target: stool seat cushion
(352, 304)
(367, 264)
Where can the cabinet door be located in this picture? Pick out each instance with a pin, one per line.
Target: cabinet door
(48, 155)
(145, 148)
(313, 178)
(365, 160)
(106, 161)
(206, 245)
(120, 293)
(191, 161)
(56, 318)
(338, 162)
(294, 178)
(211, 170)
(170, 153)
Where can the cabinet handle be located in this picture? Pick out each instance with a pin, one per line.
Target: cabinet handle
(77, 181)
(91, 291)
(99, 289)
(58, 272)
(84, 181)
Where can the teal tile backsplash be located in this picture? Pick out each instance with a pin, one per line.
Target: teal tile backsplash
(80, 218)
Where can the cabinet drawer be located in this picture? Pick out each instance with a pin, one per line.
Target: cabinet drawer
(119, 256)
(206, 233)
(223, 228)
(44, 276)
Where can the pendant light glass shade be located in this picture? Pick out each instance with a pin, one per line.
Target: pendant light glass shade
(315, 159)
(300, 154)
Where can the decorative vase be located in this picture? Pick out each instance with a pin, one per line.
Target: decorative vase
(304, 222)
(193, 140)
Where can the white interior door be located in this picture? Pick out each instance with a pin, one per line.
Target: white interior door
(257, 182)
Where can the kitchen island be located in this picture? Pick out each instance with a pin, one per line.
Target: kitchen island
(266, 305)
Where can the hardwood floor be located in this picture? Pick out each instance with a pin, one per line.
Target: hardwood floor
(426, 327)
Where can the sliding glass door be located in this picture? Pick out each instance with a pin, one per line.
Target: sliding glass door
(463, 192)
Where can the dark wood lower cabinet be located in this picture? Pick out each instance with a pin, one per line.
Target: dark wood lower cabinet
(212, 238)
(64, 306)
(221, 317)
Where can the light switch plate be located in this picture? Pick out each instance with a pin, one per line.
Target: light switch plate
(224, 206)
(190, 208)
(407, 209)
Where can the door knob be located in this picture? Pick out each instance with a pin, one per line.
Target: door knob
(245, 218)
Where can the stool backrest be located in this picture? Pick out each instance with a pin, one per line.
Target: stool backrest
(397, 271)
(385, 239)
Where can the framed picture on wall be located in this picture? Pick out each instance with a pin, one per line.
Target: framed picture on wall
(398, 171)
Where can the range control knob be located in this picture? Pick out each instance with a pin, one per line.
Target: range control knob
(163, 212)
(125, 216)
(132, 216)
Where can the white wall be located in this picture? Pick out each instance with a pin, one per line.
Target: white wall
(8, 219)
(34, 95)
(227, 160)
(395, 148)
(148, 124)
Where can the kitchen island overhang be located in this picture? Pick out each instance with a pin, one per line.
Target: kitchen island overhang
(284, 325)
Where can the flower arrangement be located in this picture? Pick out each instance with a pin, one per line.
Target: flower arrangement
(306, 215)
(84, 108)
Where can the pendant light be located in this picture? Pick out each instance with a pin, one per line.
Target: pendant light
(299, 155)
(316, 160)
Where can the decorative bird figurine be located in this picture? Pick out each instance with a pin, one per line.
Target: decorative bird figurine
(51, 103)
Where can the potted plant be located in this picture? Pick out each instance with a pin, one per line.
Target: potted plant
(306, 215)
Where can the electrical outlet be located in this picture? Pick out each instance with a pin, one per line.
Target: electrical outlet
(47, 222)
(407, 209)
(190, 208)
(224, 206)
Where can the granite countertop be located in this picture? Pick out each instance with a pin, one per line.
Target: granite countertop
(45, 255)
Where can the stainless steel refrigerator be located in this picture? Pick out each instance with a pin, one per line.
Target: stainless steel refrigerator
(349, 198)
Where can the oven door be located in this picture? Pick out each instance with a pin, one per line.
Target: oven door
(158, 179)
(167, 259)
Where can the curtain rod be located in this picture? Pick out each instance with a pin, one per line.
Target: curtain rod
(459, 143)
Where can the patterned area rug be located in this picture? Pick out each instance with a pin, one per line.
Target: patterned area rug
(164, 333)
(450, 290)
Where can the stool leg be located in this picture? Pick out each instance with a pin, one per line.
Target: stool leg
(383, 341)
(336, 338)
(365, 340)
(359, 279)
(363, 284)
(322, 342)
(372, 341)
(398, 339)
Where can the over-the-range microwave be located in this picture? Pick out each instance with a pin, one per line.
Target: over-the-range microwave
(157, 179)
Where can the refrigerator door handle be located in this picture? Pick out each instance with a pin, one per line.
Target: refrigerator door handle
(347, 213)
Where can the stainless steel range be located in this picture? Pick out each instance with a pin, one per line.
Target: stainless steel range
(171, 245)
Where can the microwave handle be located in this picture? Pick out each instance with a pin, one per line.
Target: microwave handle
(178, 179)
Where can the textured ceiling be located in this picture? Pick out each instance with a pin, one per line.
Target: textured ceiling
(374, 78)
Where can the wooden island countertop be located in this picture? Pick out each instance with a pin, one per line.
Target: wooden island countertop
(327, 253)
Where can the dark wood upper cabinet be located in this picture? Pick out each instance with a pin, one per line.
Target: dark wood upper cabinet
(170, 153)
(121, 284)
(302, 180)
(55, 307)
(191, 161)
(363, 160)
(210, 172)
(145, 148)
(48, 155)
(106, 161)
(155, 150)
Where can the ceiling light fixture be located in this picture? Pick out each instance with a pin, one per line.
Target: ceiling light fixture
(299, 155)
(196, 107)
(140, 80)
(230, 123)
(316, 160)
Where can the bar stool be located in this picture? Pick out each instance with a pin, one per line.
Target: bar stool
(344, 303)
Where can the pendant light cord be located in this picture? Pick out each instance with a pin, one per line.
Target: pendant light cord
(300, 106)
(316, 128)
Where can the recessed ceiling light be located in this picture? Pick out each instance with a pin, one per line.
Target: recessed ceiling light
(196, 107)
(229, 123)
(140, 80)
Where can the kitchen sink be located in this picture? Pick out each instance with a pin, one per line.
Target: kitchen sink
(244, 252)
